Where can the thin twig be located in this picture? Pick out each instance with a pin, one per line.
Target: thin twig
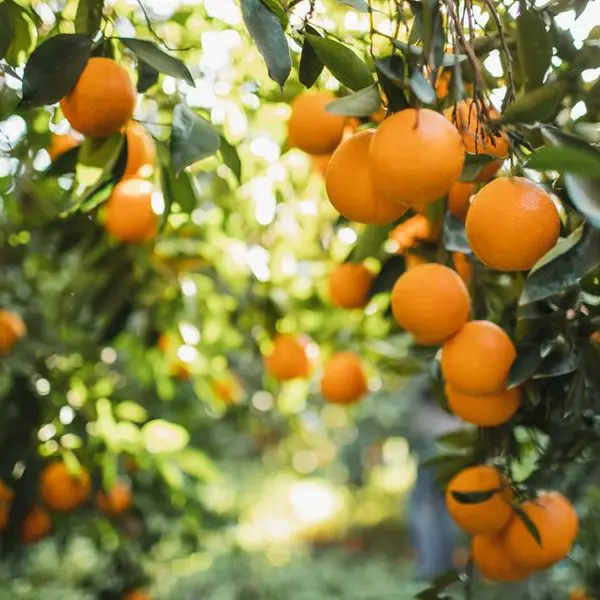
(155, 35)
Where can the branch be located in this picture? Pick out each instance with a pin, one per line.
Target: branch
(155, 35)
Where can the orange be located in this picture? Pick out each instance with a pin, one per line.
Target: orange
(136, 595)
(311, 128)
(477, 360)
(414, 260)
(6, 500)
(288, 359)
(484, 411)
(141, 152)
(61, 490)
(557, 525)
(12, 328)
(578, 594)
(416, 156)
(61, 143)
(459, 198)
(344, 380)
(512, 223)
(488, 516)
(412, 231)
(129, 216)
(493, 559)
(476, 138)
(103, 99)
(36, 525)
(227, 388)
(349, 285)
(442, 84)
(463, 266)
(431, 302)
(351, 188)
(116, 501)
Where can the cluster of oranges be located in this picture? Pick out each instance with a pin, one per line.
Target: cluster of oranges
(503, 547)
(101, 104)
(62, 491)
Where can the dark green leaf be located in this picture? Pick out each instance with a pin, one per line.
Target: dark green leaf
(455, 238)
(566, 159)
(473, 497)
(540, 104)
(231, 158)
(534, 46)
(147, 76)
(390, 72)
(464, 438)
(529, 524)
(177, 190)
(387, 277)
(54, 68)
(359, 104)
(359, 5)
(63, 164)
(568, 262)
(266, 31)
(192, 138)
(6, 30)
(342, 63)
(278, 10)
(152, 55)
(88, 17)
(562, 361)
(24, 34)
(474, 163)
(441, 582)
(422, 87)
(529, 358)
(311, 66)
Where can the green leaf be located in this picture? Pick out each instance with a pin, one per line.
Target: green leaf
(54, 68)
(474, 163)
(88, 17)
(561, 361)
(529, 524)
(529, 358)
(359, 5)
(192, 138)
(311, 66)
(422, 87)
(454, 236)
(24, 34)
(6, 29)
(534, 46)
(63, 164)
(147, 76)
(566, 159)
(540, 104)
(388, 275)
(463, 438)
(131, 411)
(473, 497)
(278, 10)
(359, 104)
(231, 158)
(370, 242)
(96, 158)
(342, 63)
(266, 31)
(152, 55)
(163, 437)
(390, 72)
(175, 189)
(449, 60)
(564, 266)
(441, 582)
(197, 464)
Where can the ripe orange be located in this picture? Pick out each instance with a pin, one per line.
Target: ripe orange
(557, 524)
(463, 265)
(288, 359)
(478, 358)
(129, 216)
(12, 328)
(103, 99)
(442, 84)
(378, 116)
(431, 302)
(459, 198)
(349, 285)
(484, 411)
(320, 162)
(412, 231)
(416, 156)
(311, 128)
(344, 380)
(136, 595)
(512, 223)
(493, 559)
(61, 143)
(488, 516)
(141, 152)
(578, 594)
(351, 188)
(115, 501)
(6, 501)
(62, 491)
(36, 525)
(476, 139)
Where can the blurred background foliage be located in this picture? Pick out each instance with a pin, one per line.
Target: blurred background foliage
(144, 363)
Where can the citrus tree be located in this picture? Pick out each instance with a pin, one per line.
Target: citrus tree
(208, 203)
